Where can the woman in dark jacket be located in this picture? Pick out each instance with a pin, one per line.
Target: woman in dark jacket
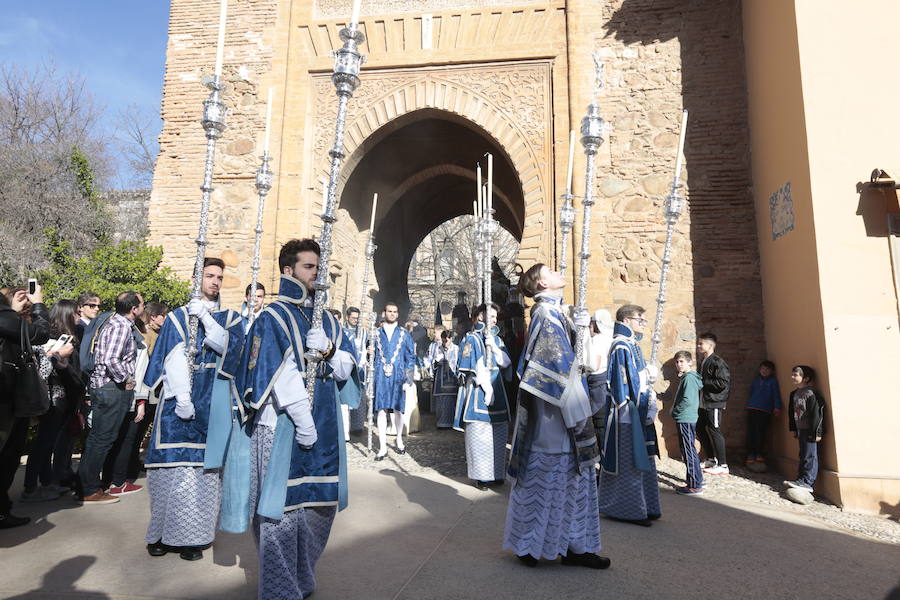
(12, 430)
(53, 437)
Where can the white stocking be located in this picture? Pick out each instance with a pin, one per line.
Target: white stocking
(398, 427)
(382, 432)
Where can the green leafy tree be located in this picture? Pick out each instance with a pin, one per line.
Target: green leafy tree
(109, 270)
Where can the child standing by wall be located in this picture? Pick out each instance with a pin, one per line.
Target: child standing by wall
(764, 401)
(807, 416)
(684, 412)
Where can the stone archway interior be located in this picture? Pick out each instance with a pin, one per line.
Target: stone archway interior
(422, 166)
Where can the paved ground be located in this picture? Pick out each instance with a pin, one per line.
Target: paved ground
(417, 530)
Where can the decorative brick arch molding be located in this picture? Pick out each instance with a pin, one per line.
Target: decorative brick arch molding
(510, 102)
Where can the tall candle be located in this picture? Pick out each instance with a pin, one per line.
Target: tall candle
(684, 116)
(478, 212)
(268, 121)
(490, 185)
(374, 207)
(571, 163)
(475, 208)
(354, 17)
(220, 46)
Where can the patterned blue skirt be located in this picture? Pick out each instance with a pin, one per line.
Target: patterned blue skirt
(631, 494)
(552, 509)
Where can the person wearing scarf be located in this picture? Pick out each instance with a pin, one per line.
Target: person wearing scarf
(552, 507)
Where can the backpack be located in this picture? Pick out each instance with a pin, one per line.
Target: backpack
(89, 343)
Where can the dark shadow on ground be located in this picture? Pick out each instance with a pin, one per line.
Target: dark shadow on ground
(61, 579)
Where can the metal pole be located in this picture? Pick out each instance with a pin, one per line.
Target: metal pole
(370, 375)
(566, 221)
(263, 185)
(345, 78)
(674, 207)
(213, 123)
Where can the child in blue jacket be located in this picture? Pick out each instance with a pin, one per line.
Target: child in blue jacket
(764, 402)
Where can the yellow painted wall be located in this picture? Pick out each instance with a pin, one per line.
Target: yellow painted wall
(821, 117)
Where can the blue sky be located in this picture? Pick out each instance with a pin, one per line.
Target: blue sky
(118, 46)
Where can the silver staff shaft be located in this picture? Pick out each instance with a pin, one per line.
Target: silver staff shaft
(370, 378)
(263, 185)
(591, 137)
(566, 221)
(674, 207)
(488, 274)
(213, 123)
(345, 78)
(479, 260)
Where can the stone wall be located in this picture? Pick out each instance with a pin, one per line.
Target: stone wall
(129, 208)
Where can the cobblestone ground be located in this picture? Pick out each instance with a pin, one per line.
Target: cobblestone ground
(443, 451)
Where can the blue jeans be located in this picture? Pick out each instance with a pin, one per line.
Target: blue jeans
(109, 405)
(687, 433)
(809, 458)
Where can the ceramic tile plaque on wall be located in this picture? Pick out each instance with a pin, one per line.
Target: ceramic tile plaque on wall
(781, 211)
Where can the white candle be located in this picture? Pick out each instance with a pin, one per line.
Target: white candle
(490, 185)
(571, 163)
(478, 212)
(374, 207)
(475, 208)
(354, 17)
(684, 116)
(220, 46)
(268, 121)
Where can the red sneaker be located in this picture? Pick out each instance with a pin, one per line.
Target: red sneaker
(125, 488)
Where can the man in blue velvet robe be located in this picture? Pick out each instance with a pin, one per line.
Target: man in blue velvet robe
(553, 503)
(628, 486)
(354, 419)
(192, 417)
(297, 476)
(482, 410)
(395, 362)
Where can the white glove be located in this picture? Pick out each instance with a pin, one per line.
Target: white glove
(304, 426)
(184, 408)
(652, 409)
(316, 339)
(652, 373)
(197, 308)
(582, 318)
(490, 341)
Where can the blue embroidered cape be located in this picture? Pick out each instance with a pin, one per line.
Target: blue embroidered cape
(548, 373)
(470, 405)
(389, 390)
(173, 441)
(626, 361)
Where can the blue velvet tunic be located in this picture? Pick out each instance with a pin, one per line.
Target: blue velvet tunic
(470, 405)
(389, 393)
(175, 442)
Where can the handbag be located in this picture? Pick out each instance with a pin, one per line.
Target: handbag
(31, 395)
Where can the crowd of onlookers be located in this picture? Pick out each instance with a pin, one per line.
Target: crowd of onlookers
(72, 406)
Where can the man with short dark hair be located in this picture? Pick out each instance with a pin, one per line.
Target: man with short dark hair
(259, 303)
(355, 418)
(395, 359)
(296, 478)
(629, 490)
(111, 393)
(193, 419)
(713, 398)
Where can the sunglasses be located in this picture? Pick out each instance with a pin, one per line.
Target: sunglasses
(92, 305)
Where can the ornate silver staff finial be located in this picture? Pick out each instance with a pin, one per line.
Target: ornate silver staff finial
(674, 207)
(345, 77)
(566, 221)
(213, 123)
(592, 129)
(599, 74)
(263, 185)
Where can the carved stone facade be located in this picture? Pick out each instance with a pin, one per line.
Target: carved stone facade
(515, 77)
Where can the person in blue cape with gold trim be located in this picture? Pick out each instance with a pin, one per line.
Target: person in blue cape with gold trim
(193, 420)
(291, 477)
(629, 490)
(395, 361)
(482, 410)
(552, 508)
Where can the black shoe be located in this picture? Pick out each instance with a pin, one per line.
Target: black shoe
(8, 521)
(497, 483)
(641, 522)
(380, 457)
(191, 553)
(157, 548)
(401, 450)
(654, 516)
(586, 559)
(482, 485)
(528, 560)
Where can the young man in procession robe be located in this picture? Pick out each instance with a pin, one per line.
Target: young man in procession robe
(443, 359)
(355, 419)
(296, 477)
(482, 409)
(182, 474)
(628, 485)
(553, 503)
(395, 361)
